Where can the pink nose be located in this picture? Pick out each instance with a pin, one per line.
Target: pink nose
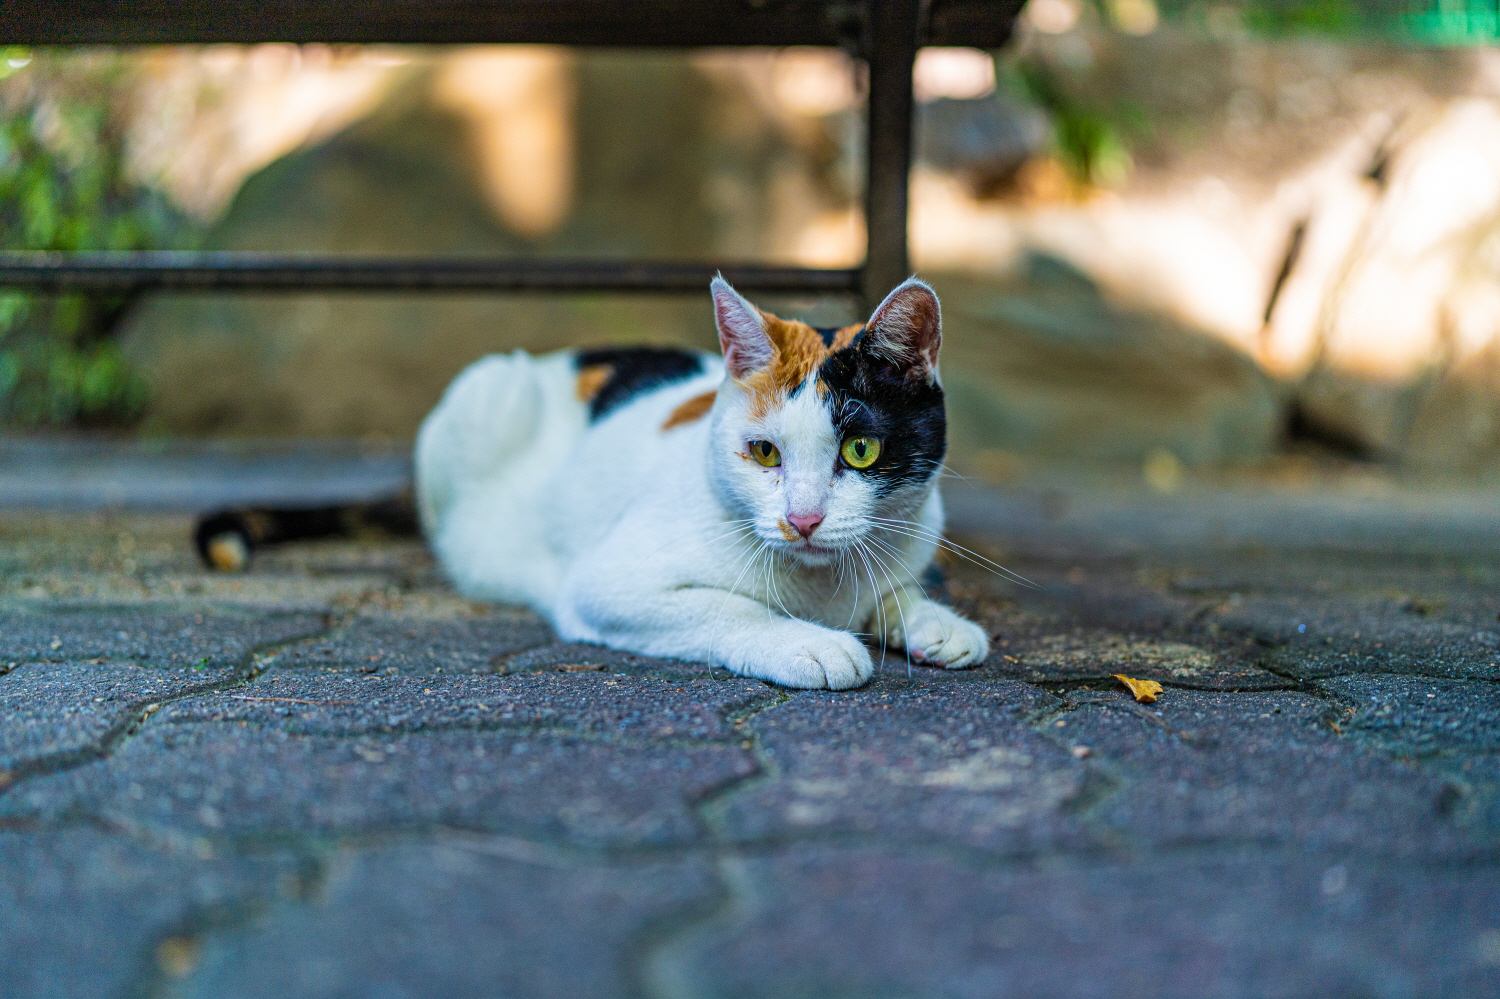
(805, 523)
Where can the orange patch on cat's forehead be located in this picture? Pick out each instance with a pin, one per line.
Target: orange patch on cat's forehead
(797, 351)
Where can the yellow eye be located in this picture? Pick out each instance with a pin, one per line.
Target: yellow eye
(766, 453)
(860, 452)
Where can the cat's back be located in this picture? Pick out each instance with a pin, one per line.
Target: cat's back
(507, 415)
(521, 442)
(611, 379)
(647, 415)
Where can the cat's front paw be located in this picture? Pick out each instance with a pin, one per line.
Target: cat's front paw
(934, 634)
(819, 659)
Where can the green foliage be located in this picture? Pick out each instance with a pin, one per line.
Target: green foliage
(1091, 142)
(63, 187)
(1280, 18)
(1325, 17)
(1422, 22)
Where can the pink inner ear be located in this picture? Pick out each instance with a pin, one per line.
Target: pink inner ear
(908, 326)
(742, 331)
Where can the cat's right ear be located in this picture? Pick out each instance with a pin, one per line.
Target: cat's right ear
(742, 331)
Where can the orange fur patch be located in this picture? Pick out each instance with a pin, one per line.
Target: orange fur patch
(797, 351)
(694, 409)
(592, 379)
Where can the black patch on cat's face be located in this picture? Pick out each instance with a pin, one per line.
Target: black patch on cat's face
(868, 395)
(827, 333)
(634, 371)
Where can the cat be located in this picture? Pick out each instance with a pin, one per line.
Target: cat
(752, 511)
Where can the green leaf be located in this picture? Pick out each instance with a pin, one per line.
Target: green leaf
(64, 187)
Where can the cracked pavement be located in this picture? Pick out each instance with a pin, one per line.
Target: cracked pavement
(333, 777)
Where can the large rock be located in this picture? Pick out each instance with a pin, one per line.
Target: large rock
(657, 143)
(1043, 365)
(672, 159)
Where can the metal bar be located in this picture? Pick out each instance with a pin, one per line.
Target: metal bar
(892, 49)
(886, 32)
(984, 23)
(120, 273)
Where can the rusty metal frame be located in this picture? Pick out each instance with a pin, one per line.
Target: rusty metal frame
(885, 33)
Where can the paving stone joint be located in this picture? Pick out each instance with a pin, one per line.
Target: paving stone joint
(333, 770)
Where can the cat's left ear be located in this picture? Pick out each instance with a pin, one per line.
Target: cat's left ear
(907, 329)
(742, 331)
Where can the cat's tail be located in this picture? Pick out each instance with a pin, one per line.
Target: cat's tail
(494, 435)
(503, 418)
(486, 459)
(226, 540)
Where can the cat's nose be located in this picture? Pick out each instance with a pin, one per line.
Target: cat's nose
(805, 523)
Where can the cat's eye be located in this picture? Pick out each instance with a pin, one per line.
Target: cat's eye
(860, 452)
(766, 453)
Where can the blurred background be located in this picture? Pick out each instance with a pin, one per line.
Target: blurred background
(1172, 241)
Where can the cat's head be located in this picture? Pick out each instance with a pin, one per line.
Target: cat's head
(817, 433)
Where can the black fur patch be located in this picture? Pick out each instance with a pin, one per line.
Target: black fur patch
(868, 395)
(635, 371)
(827, 333)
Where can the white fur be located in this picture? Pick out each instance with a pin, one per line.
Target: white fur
(673, 543)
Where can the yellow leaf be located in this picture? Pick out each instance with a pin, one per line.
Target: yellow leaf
(1145, 691)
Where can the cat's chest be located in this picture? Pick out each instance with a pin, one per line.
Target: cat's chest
(839, 596)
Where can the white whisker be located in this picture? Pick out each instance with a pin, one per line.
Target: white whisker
(944, 468)
(896, 553)
(750, 559)
(924, 533)
(745, 525)
(896, 596)
(880, 619)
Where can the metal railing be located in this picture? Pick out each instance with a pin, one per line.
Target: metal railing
(885, 33)
(124, 273)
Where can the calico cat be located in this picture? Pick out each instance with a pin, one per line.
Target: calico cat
(754, 511)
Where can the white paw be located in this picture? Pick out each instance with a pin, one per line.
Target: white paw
(817, 659)
(931, 633)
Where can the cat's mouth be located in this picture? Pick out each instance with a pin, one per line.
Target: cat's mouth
(815, 550)
(809, 552)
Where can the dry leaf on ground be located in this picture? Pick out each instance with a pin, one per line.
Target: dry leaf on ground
(1144, 691)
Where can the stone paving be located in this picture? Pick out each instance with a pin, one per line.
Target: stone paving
(332, 777)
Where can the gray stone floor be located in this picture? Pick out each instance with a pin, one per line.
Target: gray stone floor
(332, 777)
